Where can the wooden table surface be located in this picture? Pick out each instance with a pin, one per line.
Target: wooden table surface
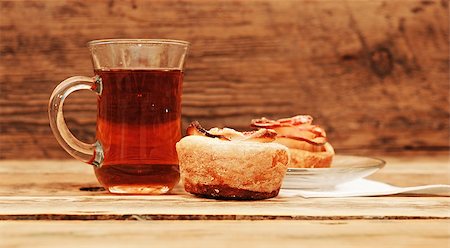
(46, 203)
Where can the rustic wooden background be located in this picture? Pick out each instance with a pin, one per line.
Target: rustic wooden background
(374, 73)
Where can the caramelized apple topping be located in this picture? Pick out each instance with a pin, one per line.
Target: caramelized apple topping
(262, 135)
(299, 128)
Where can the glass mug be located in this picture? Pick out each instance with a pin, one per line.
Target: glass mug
(138, 84)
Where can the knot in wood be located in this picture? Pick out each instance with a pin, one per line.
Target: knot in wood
(381, 61)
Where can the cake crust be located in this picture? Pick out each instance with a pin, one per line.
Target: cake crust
(226, 192)
(231, 170)
(307, 159)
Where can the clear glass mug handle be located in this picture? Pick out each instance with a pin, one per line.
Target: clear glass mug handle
(88, 153)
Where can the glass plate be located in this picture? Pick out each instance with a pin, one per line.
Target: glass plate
(344, 168)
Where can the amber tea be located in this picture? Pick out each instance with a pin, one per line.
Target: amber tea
(138, 125)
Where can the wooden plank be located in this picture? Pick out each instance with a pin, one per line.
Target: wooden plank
(187, 207)
(374, 73)
(373, 233)
(50, 190)
(66, 177)
(415, 170)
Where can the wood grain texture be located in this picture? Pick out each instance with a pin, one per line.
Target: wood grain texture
(66, 177)
(50, 190)
(318, 234)
(375, 74)
(188, 207)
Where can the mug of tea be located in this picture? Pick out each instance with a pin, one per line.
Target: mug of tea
(138, 83)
